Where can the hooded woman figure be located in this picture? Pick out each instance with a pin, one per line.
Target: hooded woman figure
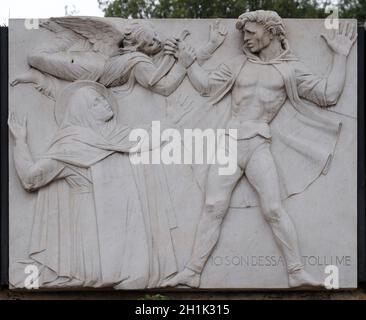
(84, 233)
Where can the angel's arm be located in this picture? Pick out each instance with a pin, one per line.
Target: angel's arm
(55, 58)
(44, 83)
(167, 85)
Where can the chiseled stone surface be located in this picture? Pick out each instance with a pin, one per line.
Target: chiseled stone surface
(86, 216)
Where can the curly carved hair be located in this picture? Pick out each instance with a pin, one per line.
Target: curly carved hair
(134, 34)
(272, 22)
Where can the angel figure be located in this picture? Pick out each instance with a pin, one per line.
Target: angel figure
(88, 48)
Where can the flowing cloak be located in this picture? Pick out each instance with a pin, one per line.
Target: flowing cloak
(118, 69)
(124, 227)
(303, 136)
(151, 180)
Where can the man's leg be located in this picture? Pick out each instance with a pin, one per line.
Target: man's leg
(218, 194)
(262, 174)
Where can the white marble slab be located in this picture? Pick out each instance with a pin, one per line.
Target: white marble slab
(130, 242)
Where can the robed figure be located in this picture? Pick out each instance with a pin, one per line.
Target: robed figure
(92, 220)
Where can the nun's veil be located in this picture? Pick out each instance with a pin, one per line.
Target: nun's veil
(74, 102)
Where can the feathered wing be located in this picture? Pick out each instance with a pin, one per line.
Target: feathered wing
(104, 36)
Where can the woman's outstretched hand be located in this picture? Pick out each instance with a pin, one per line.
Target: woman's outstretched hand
(18, 128)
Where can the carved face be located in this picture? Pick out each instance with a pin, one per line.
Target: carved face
(152, 43)
(101, 109)
(256, 37)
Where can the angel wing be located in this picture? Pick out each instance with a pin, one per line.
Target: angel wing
(103, 36)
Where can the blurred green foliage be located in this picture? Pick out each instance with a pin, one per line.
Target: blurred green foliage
(229, 8)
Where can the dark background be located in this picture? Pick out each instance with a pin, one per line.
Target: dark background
(4, 243)
(194, 9)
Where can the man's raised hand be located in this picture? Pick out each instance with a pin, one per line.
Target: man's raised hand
(218, 33)
(343, 39)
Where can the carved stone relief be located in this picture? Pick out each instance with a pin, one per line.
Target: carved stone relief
(85, 214)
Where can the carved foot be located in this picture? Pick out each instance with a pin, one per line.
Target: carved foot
(29, 77)
(301, 278)
(187, 278)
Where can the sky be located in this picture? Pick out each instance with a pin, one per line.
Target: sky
(46, 8)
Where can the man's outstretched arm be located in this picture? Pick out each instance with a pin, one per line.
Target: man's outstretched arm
(199, 78)
(208, 82)
(341, 45)
(326, 91)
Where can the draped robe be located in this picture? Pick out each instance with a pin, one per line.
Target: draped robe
(135, 250)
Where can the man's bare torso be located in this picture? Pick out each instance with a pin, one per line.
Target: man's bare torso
(258, 94)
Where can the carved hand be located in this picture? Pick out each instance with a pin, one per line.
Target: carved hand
(218, 33)
(184, 105)
(17, 128)
(343, 39)
(186, 55)
(31, 76)
(171, 47)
